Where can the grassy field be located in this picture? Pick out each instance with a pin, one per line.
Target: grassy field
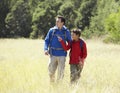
(23, 68)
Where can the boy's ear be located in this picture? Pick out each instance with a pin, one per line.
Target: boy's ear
(77, 35)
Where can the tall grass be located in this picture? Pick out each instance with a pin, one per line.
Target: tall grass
(23, 69)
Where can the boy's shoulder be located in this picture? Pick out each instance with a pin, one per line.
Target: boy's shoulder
(82, 43)
(82, 40)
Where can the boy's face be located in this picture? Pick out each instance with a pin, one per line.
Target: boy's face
(74, 36)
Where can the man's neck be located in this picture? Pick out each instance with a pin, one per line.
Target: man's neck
(59, 28)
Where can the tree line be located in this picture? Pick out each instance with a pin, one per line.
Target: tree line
(33, 18)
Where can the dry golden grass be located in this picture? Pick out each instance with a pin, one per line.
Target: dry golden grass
(23, 69)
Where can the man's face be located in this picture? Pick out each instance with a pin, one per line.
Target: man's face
(59, 24)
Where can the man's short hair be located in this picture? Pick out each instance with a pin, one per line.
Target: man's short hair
(76, 31)
(62, 18)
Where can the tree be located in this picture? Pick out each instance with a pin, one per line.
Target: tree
(18, 21)
(4, 9)
(112, 27)
(104, 8)
(86, 11)
(67, 10)
(44, 18)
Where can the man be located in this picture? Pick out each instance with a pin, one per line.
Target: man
(53, 48)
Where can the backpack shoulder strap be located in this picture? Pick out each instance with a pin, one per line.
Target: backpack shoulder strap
(53, 32)
(81, 44)
(65, 35)
(50, 50)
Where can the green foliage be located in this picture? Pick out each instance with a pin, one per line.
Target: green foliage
(33, 18)
(112, 26)
(18, 21)
(85, 10)
(86, 33)
(67, 10)
(104, 8)
(44, 18)
(4, 9)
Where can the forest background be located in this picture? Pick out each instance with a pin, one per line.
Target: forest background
(33, 18)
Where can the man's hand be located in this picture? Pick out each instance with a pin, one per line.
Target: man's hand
(46, 52)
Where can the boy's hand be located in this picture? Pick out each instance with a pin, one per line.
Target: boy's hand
(59, 38)
(82, 60)
(81, 63)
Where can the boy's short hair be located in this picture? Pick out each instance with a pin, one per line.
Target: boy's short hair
(62, 18)
(77, 32)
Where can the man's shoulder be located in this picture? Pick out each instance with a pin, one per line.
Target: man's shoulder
(55, 27)
(65, 28)
(52, 29)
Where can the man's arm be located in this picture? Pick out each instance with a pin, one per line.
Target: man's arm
(47, 42)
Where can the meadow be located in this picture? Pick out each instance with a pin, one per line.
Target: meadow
(23, 68)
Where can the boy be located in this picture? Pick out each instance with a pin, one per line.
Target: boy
(78, 53)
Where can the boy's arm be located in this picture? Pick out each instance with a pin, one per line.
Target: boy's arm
(84, 55)
(65, 47)
(84, 50)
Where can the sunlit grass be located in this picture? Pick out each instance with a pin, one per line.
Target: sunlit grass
(23, 69)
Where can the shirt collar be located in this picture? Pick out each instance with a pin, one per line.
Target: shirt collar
(63, 28)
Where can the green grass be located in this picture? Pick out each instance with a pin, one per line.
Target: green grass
(23, 69)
